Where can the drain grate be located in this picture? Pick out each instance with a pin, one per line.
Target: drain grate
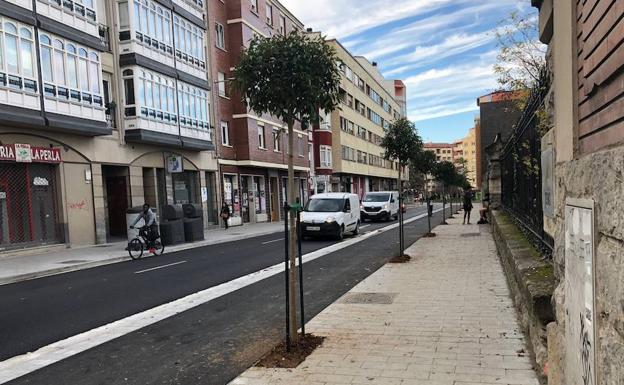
(370, 298)
(466, 235)
(73, 261)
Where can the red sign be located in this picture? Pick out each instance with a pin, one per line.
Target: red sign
(25, 153)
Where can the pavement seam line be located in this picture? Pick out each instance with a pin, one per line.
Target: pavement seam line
(24, 364)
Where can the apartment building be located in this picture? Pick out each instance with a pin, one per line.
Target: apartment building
(465, 152)
(103, 105)
(445, 152)
(348, 153)
(253, 150)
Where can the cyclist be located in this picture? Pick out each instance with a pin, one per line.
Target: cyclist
(150, 230)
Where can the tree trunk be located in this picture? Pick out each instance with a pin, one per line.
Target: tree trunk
(293, 237)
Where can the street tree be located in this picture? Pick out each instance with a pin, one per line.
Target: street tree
(424, 163)
(446, 174)
(401, 143)
(291, 77)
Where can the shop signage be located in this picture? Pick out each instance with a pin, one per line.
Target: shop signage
(174, 164)
(2, 195)
(25, 153)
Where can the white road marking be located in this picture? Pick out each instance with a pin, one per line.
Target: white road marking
(365, 226)
(18, 366)
(159, 267)
(273, 241)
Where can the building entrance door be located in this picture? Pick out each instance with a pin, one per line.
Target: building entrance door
(116, 182)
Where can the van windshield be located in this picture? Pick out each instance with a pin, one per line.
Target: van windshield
(325, 205)
(377, 198)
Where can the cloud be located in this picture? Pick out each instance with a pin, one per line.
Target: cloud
(444, 50)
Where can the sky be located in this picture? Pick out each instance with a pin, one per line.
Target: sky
(444, 50)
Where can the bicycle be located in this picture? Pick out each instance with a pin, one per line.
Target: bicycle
(138, 245)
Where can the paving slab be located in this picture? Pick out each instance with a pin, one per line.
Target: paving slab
(444, 318)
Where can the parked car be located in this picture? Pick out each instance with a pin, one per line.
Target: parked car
(382, 205)
(331, 214)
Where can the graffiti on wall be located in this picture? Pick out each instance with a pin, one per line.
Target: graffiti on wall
(579, 293)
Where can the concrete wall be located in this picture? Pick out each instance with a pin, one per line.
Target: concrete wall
(78, 201)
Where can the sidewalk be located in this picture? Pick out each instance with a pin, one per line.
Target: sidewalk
(445, 318)
(18, 267)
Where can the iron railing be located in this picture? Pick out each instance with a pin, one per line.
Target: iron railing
(521, 171)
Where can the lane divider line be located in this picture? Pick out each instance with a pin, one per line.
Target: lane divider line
(273, 241)
(21, 365)
(159, 267)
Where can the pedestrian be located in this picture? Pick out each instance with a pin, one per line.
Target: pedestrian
(484, 211)
(467, 205)
(225, 214)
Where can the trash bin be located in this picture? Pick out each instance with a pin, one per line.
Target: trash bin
(192, 210)
(172, 225)
(131, 215)
(172, 232)
(172, 212)
(193, 229)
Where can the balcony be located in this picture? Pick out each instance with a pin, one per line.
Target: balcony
(71, 14)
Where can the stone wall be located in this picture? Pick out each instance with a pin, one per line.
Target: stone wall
(531, 281)
(598, 176)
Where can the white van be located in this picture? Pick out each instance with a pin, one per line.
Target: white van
(331, 214)
(380, 205)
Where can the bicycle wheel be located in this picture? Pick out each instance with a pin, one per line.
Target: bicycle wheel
(159, 247)
(135, 248)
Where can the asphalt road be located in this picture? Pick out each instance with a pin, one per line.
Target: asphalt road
(209, 344)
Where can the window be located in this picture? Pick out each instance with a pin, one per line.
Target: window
(225, 133)
(277, 145)
(150, 95)
(17, 56)
(269, 14)
(84, 9)
(254, 5)
(326, 156)
(189, 42)
(282, 25)
(374, 117)
(70, 71)
(221, 80)
(151, 24)
(220, 40)
(261, 137)
(195, 101)
(301, 146)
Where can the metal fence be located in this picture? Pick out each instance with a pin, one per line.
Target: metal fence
(522, 174)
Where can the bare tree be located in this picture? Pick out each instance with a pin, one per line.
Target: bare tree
(521, 57)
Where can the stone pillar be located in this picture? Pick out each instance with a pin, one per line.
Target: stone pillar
(150, 187)
(136, 186)
(203, 186)
(99, 203)
(493, 173)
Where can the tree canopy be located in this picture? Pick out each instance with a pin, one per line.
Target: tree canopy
(401, 142)
(291, 77)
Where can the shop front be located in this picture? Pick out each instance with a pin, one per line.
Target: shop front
(29, 196)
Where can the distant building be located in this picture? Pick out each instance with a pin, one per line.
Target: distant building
(467, 149)
(444, 152)
(348, 156)
(498, 114)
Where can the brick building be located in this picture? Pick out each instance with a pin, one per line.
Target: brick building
(252, 149)
(583, 153)
(498, 113)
